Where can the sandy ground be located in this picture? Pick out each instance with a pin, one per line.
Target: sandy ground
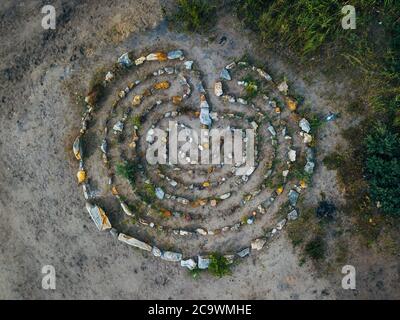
(43, 221)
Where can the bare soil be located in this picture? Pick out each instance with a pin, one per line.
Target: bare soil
(44, 75)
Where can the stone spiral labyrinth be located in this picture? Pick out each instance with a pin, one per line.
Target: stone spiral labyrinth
(184, 212)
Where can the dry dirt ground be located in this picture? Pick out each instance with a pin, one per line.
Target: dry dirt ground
(43, 220)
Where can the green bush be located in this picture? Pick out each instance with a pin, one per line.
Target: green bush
(251, 88)
(195, 273)
(383, 168)
(127, 170)
(148, 193)
(219, 265)
(315, 248)
(194, 15)
(137, 121)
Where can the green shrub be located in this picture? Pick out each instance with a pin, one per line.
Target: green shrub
(195, 273)
(383, 168)
(137, 121)
(127, 170)
(194, 15)
(148, 193)
(251, 88)
(315, 248)
(219, 265)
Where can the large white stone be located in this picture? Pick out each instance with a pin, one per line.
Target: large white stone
(134, 242)
(305, 125)
(218, 89)
(189, 263)
(258, 244)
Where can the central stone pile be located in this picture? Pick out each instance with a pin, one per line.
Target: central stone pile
(185, 212)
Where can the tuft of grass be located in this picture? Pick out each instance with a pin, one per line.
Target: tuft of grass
(195, 273)
(251, 88)
(219, 265)
(315, 248)
(299, 230)
(197, 16)
(128, 171)
(137, 121)
(148, 193)
(383, 168)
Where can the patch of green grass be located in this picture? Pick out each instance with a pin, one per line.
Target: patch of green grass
(252, 87)
(137, 121)
(315, 248)
(383, 168)
(195, 273)
(148, 193)
(219, 265)
(300, 229)
(194, 16)
(300, 174)
(128, 171)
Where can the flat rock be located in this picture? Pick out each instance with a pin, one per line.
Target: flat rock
(292, 155)
(309, 167)
(188, 64)
(156, 252)
(243, 253)
(225, 75)
(160, 193)
(305, 125)
(201, 231)
(203, 262)
(98, 216)
(205, 116)
(281, 224)
(258, 244)
(293, 196)
(225, 196)
(189, 263)
(271, 129)
(171, 256)
(175, 54)
(218, 89)
(134, 242)
(292, 215)
(119, 126)
(124, 60)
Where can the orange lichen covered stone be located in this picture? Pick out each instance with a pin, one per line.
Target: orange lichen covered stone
(166, 213)
(137, 100)
(157, 56)
(81, 175)
(291, 104)
(176, 100)
(114, 191)
(162, 85)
